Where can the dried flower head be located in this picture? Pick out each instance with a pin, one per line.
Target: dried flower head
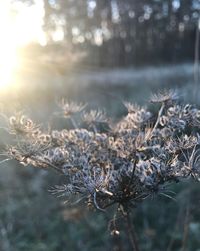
(20, 124)
(132, 108)
(70, 108)
(123, 165)
(164, 96)
(94, 116)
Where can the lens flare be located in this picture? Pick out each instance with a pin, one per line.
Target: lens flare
(8, 53)
(19, 25)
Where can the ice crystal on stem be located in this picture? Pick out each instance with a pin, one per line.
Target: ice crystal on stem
(124, 165)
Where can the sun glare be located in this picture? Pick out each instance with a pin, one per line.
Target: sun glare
(7, 47)
(19, 25)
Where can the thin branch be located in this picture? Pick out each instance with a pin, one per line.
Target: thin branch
(133, 172)
(186, 230)
(158, 118)
(50, 165)
(168, 196)
(5, 160)
(172, 239)
(73, 122)
(131, 232)
(196, 60)
(96, 204)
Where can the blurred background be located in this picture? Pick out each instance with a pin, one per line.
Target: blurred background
(101, 52)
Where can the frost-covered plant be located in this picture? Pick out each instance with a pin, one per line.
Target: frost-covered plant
(118, 164)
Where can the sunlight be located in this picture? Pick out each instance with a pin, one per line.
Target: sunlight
(8, 63)
(19, 25)
(8, 58)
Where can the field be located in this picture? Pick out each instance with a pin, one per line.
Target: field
(33, 219)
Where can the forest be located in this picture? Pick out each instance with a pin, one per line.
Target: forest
(123, 33)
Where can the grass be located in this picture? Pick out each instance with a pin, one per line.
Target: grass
(32, 219)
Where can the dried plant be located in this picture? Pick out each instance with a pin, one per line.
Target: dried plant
(133, 160)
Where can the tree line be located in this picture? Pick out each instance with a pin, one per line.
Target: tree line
(123, 33)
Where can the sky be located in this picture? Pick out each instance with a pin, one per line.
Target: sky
(20, 24)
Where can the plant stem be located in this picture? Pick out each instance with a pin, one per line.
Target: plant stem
(186, 230)
(131, 233)
(196, 61)
(158, 118)
(73, 123)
